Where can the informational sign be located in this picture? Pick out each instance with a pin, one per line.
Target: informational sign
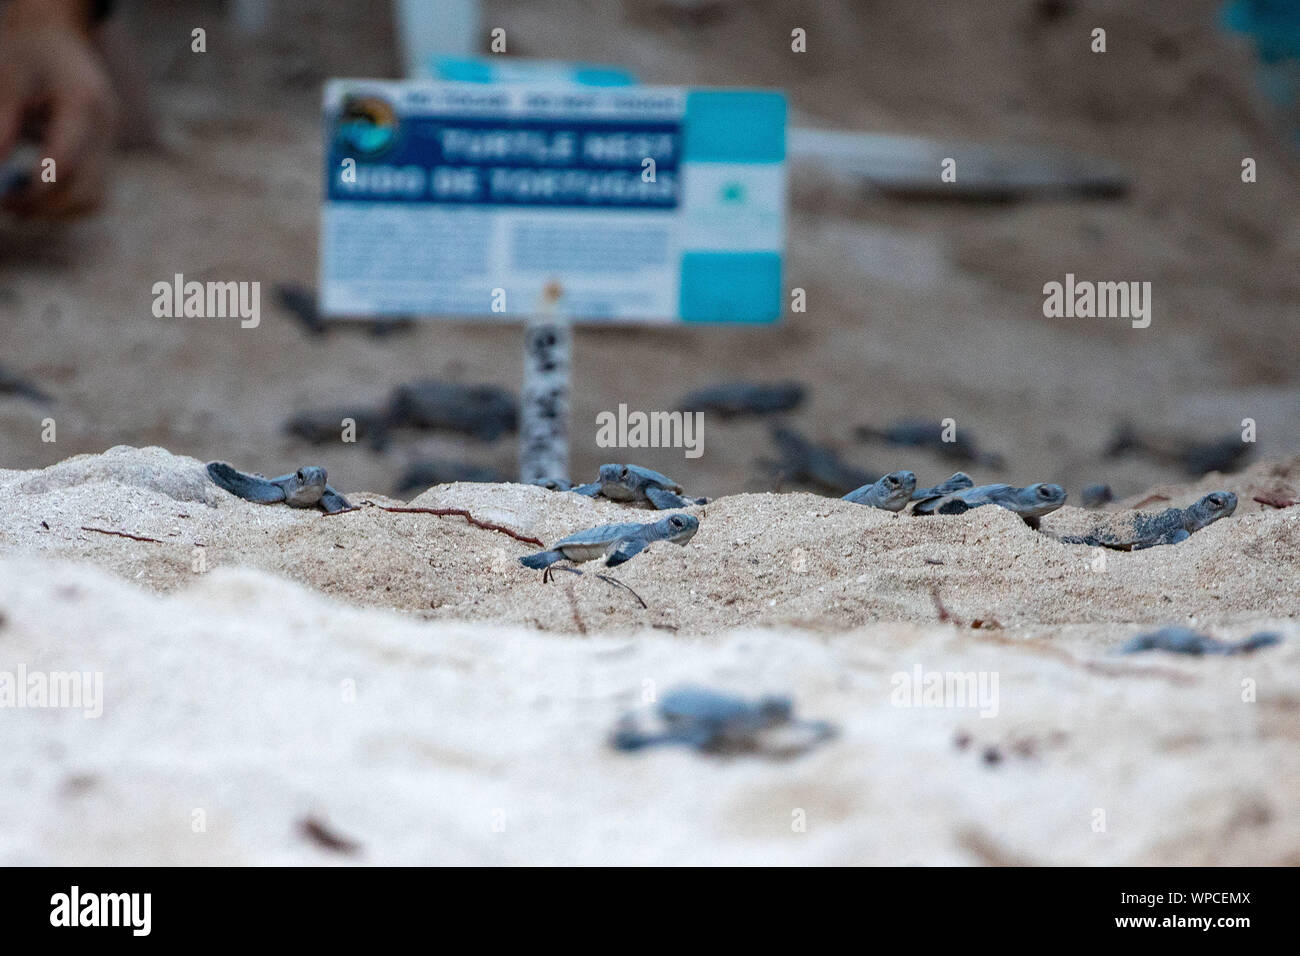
(644, 204)
(501, 69)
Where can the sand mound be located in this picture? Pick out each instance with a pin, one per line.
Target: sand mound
(237, 706)
(790, 560)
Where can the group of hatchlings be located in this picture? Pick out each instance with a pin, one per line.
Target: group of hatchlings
(714, 722)
(621, 541)
(894, 492)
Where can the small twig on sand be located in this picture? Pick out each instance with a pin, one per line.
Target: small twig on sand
(577, 617)
(948, 617)
(1274, 501)
(944, 614)
(121, 534)
(606, 578)
(320, 834)
(460, 513)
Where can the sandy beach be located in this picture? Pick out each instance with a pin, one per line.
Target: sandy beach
(269, 685)
(400, 681)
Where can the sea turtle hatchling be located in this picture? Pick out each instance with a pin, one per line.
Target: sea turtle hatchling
(632, 483)
(801, 461)
(482, 411)
(1182, 640)
(1097, 496)
(955, 482)
(722, 724)
(1135, 530)
(931, 435)
(737, 399)
(305, 488)
(617, 542)
(891, 493)
(1030, 502)
(11, 383)
(323, 426)
(426, 474)
(553, 484)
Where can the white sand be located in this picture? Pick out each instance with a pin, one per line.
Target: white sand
(226, 694)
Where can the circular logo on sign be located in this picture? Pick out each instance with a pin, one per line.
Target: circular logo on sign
(367, 125)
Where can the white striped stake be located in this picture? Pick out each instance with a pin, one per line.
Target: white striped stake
(544, 406)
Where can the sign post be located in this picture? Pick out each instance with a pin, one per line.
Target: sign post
(544, 403)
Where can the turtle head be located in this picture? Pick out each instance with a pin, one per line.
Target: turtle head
(896, 489)
(1215, 505)
(679, 528)
(618, 482)
(775, 710)
(307, 486)
(1042, 498)
(552, 484)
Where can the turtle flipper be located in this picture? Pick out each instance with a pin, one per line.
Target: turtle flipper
(630, 738)
(331, 502)
(926, 506)
(542, 559)
(248, 487)
(1169, 537)
(666, 500)
(627, 549)
(591, 490)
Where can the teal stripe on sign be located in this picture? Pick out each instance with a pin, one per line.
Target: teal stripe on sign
(730, 287)
(602, 76)
(724, 126)
(462, 70)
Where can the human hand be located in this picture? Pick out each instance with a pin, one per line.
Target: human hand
(51, 74)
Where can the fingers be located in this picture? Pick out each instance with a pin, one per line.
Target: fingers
(13, 97)
(78, 139)
(11, 120)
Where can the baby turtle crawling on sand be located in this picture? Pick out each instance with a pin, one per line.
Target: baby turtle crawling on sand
(633, 483)
(892, 492)
(619, 542)
(553, 484)
(1135, 530)
(1182, 640)
(734, 399)
(1195, 457)
(957, 481)
(930, 434)
(483, 411)
(323, 426)
(1031, 502)
(804, 462)
(442, 471)
(1095, 496)
(719, 723)
(305, 488)
(11, 383)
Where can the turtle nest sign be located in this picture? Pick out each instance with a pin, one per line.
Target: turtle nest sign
(645, 204)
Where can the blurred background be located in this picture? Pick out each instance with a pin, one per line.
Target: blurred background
(916, 308)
